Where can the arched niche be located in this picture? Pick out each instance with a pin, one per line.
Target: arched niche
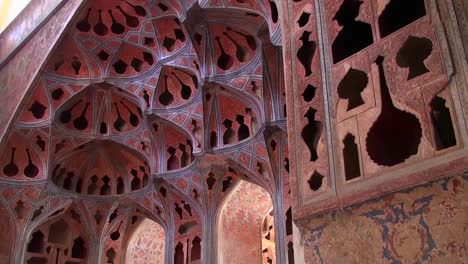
(240, 224)
(232, 116)
(224, 47)
(100, 109)
(20, 158)
(101, 168)
(122, 225)
(62, 238)
(176, 145)
(177, 86)
(146, 245)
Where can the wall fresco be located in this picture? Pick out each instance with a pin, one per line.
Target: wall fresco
(240, 224)
(146, 245)
(424, 224)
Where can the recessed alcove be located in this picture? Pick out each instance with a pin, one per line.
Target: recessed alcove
(146, 244)
(98, 176)
(62, 237)
(243, 225)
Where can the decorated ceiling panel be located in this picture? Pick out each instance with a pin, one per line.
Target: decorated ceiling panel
(138, 91)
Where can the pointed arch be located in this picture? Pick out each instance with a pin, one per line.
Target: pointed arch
(239, 224)
(62, 235)
(147, 244)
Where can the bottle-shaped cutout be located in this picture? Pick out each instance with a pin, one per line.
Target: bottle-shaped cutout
(81, 123)
(113, 215)
(185, 157)
(166, 98)
(444, 132)
(185, 90)
(146, 97)
(57, 94)
(225, 61)
(213, 139)
(178, 209)
(11, 169)
(243, 132)
(163, 7)
(210, 180)
(120, 186)
(241, 53)
(116, 234)
(186, 207)
(226, 183)
(83, 25)
(395, 134)
(144, 147)
(66, 115)
(136, 183)
(105, 188)
(306, 52)
(76, 64)
(192, 76)
(229, 134)
(148, 58)
(31, 170)
(100, 28)
(131, 21)
(103, 128)
(351, 157)
(249, 38)
(134, 120)
(172, 161)
(116, 27)
(120, 66)
(196, 67)
(311, 133)
(119, 122)
(38, 110)
(40, 143)
(169, 43)
(179, 254)
(179, 34)
(139, 10)
(67, 183)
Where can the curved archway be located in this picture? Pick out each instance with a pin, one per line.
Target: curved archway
(62, 238)
(240, 222)
(101, 167)
(147, 244)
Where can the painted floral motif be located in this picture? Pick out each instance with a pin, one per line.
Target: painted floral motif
(241, 224)
(424, 224)
(147, 244)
